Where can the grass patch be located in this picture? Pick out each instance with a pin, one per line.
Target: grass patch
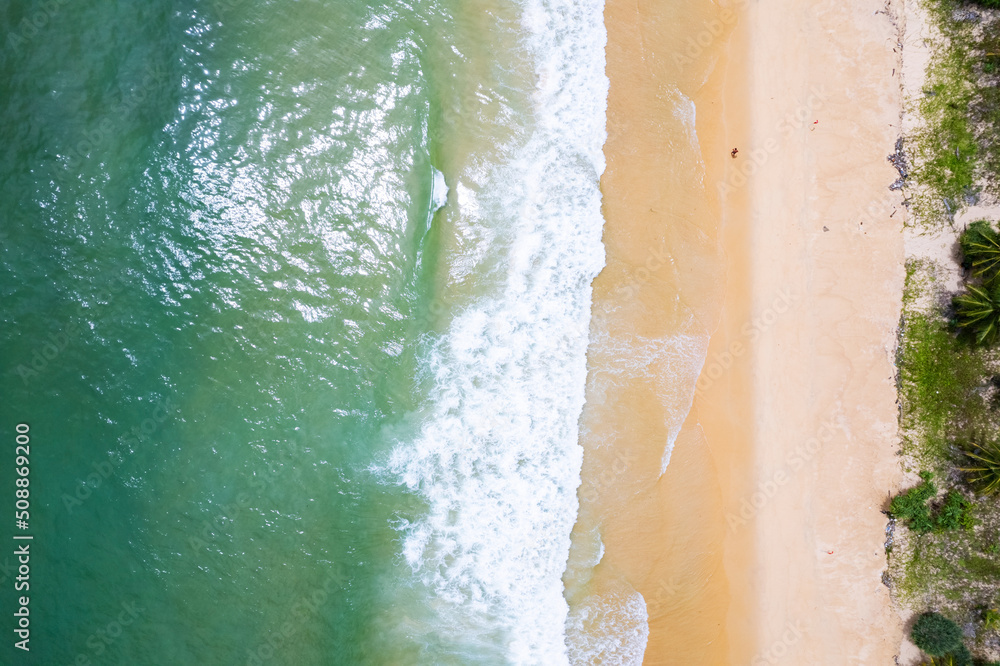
(980, 567)
(945, 148)
(985, 109)
(940, 382)
(955, 154)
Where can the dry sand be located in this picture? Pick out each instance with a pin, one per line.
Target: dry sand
(825, 227)
(763, 541)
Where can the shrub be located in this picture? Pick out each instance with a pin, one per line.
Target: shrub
(911, 505)
(960, 657)
(955, 513)
(983, 468)
(936, 635)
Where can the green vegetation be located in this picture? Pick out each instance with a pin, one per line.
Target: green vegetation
(977, 314)
(955, 513)
(986, 114)
(991, 620)
(936, 635)
(946, 148)
(911, 506)
(945, 553)
(984, 466)
(961, 656)
(977, 311)
(956, 153)
(982, 567)
(939, 382)
(941, 639)
(945, 559)
(980, 246)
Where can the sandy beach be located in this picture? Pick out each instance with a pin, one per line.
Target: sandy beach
(762, 543)
(825, 228)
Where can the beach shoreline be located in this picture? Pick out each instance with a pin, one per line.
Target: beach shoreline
(674, 107)
(762, 542)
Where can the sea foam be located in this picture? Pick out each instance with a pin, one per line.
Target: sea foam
(496, 456)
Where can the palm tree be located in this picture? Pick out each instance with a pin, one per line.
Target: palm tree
(984, 466)
(978, 313)
(981, 246)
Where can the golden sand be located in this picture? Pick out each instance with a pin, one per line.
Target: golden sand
(762, 541)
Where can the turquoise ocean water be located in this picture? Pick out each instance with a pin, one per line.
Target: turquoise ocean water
(295, 300)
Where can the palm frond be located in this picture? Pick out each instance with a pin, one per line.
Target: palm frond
(983, 466)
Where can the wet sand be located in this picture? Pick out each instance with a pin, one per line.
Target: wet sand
(673, 77)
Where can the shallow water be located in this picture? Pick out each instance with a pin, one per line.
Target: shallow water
(296, 302)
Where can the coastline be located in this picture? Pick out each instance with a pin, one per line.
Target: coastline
(656, 306)
(762, 542)
(826, 245)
